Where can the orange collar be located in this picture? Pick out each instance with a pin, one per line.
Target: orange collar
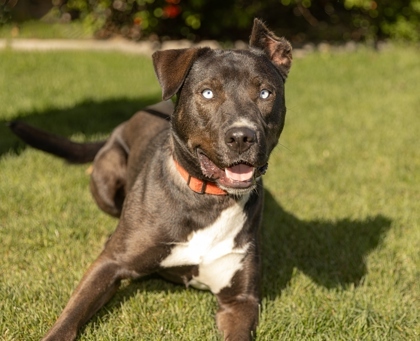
(197, 185)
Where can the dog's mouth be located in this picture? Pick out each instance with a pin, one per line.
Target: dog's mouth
(240, 175)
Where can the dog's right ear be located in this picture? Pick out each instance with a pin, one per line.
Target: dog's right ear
(278, 50)
(172, 66)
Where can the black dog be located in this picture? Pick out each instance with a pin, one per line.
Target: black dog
(188, 189)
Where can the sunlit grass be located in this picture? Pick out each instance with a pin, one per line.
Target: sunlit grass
(341, 230)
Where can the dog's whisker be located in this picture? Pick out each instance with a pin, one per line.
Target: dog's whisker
(283, 146)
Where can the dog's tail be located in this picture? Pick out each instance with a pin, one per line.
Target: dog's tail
(72, 152)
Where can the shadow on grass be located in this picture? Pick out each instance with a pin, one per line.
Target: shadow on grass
(331, 253)
(89, 118)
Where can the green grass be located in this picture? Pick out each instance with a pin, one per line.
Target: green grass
(341, 228)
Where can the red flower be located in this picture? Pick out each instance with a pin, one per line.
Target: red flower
(171, 11)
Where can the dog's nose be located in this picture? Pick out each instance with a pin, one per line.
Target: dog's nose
(240, 139)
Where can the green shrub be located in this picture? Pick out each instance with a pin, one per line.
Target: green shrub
(300, 20)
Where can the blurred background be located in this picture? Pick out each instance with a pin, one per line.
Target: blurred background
(301, 21)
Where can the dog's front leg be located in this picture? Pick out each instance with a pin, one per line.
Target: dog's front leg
(239, 304)
(98, 285)
(237, 318)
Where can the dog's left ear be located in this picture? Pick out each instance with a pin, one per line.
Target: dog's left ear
(172, 66)
(278, 50)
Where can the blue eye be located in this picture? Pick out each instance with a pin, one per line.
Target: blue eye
(207, 93)
(264, 94)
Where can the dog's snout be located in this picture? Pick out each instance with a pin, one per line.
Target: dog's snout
(240, 139)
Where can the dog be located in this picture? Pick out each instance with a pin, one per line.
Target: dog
(185, 180)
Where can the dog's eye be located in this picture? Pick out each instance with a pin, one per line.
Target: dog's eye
(264, 94)
(207, 93)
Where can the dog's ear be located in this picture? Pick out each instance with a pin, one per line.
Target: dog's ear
(278, 50)
(172, 66)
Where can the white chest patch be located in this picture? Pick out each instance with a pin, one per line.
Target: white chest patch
(212, 249)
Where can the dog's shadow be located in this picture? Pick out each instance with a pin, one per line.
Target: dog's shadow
(333, 254)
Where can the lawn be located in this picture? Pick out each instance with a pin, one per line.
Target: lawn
(341, 231)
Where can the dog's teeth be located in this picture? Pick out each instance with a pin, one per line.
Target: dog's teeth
(240, 172)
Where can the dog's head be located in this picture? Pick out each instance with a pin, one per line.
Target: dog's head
(230, 107)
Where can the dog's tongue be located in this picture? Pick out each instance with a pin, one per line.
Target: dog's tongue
(240, 172)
